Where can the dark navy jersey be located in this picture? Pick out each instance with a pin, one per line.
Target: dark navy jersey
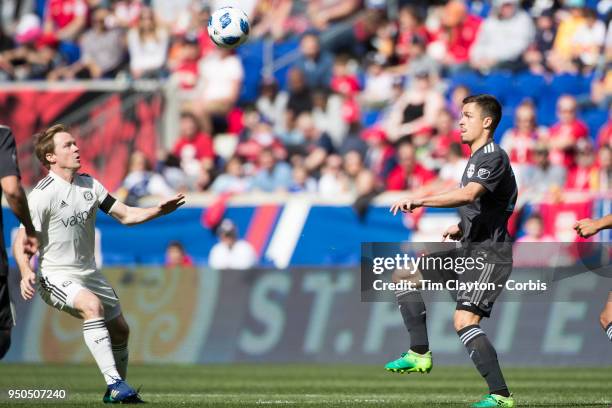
(486, 219)
(8, 167)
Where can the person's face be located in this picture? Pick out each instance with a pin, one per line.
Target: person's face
(585, 157)
(534, 228)
(405, 157)
(472, 124)
(296, 80)
(352, 163)
(228, 238)
(266, 161)
(310, 46)
(605, 158)
(138, 162)
(566, 110)
(99, 19)
(524, 118)
(234, 168)
(300, 175)
(147, 19)
(188, 127)
(174, 255)
(65, 153)
(444, 123)
(544, 23)
(507, 10)
(541, 157)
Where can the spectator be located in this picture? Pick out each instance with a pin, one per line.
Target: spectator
(379, 154)
(534, 230)
(445, 134)
(453, 43)
(170, 169)
(455, 164)
(408, 174)
(509, 25)
(34, 59)
(333, 180)
(185, 68)
(233, 179)
(314, 63)
(66, 19)
(520, 140)
(322, 13)
(328, 107)
(378, 84)
(565, 134)
(603, 179)
(300, 94)
(301, 181)
(569, 25)
(176, 257)
(194, 147)
(420, 61)
(231, 252)
(255, 140)
(583, 175)
(456, 101)
(415, 110)
(604, 137)
(221, 76)
(588, 40)
(141, 181)
(410, 25)
(271, 105)
(353, 168)
(317, 145)
(102, 52)
(148, 47)
(542, 176)
(546, 31)
(272, 18)
(272, 175)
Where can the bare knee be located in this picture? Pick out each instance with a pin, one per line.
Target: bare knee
(463, 319)
(89, 305)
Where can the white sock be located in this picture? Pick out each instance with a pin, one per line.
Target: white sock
(98, 340)
(121, 354)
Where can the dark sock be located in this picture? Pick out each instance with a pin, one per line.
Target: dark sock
(5, 341)
(413, 312)
(483, 355)
(609, 331)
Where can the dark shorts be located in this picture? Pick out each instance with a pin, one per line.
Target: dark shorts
(6, 312)
(473, 285)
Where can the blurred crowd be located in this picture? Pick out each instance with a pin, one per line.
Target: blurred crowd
(368, 105)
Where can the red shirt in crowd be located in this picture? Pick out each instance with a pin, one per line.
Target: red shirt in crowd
(581, 178)
(519, 146)
(199, 147)
(399, 180)
(63, 12)
(605, 135)
(577, 130)
(459, 39)
(442, 143)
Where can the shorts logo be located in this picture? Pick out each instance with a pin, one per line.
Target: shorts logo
(66, 284)
(470, 171)
(483, 174)
(88, 195)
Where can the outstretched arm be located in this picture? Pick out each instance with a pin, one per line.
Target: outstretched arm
(450, 199)
(135, 215)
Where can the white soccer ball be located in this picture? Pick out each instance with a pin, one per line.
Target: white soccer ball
(228, 27)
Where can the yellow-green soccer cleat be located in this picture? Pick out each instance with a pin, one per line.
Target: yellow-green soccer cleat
(411, 362)
(493, 401)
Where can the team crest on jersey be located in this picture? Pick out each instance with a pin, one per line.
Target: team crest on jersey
(66, 283)
(88, 195)
(483, 174)
(470, 171)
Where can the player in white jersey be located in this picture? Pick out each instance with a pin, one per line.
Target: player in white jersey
(63, 207)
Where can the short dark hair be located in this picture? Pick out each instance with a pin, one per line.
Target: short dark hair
(489, 106)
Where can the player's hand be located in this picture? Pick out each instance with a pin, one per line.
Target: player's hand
(405, 205)
(27, 285)
(586, 227)
(453, 232)
(172, 204)
(30, 243)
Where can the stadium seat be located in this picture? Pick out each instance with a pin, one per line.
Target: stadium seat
(595, 119)
(526, 86)
(499, 84)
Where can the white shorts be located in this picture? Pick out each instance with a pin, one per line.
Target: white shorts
(59, 291)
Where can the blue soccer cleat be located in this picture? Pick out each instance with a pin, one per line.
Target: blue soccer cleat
(121, 393)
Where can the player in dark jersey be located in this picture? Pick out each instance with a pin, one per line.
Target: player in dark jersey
(587, 228)
(485, 199)
(16, 198)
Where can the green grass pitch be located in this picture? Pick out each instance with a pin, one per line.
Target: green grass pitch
(241, 385)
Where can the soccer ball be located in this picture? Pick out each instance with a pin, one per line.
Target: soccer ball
(228, 27)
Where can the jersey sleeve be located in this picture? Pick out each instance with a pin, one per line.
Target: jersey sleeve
(39, 209)
(489, 171)
(8, 153)
(104, 199)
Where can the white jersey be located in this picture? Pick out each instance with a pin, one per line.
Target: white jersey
(64, 216)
